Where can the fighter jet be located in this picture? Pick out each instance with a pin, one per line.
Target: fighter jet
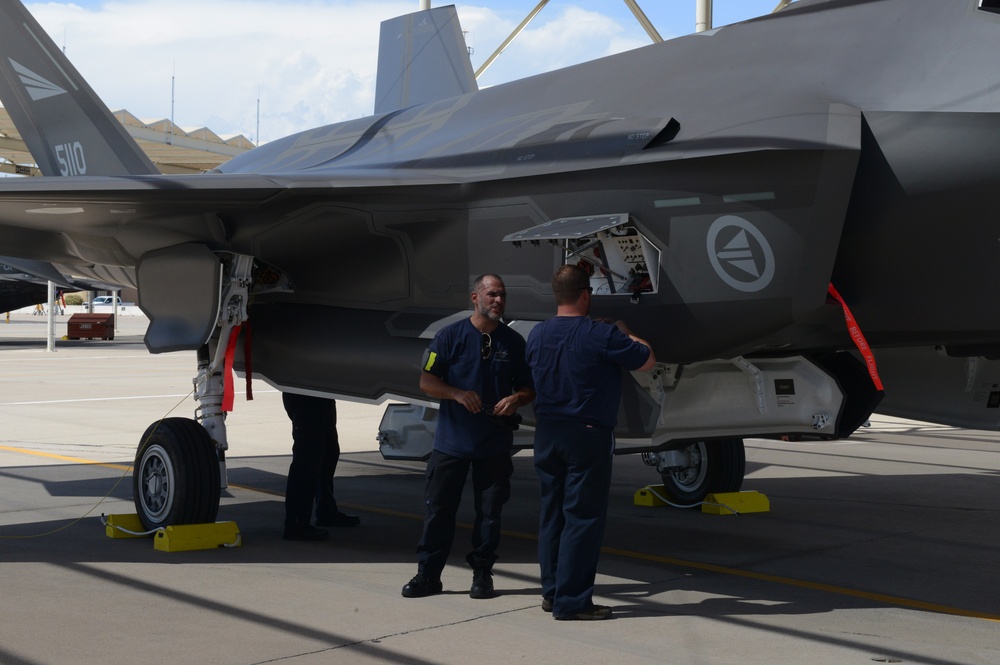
(797, 211)
(19, 289)
(24, 283)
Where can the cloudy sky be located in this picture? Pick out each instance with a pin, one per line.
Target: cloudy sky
(312, 62)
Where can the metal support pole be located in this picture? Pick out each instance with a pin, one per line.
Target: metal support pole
(425, 4)
(512, 37)
(50, 344)
(633, 5)
(644, 21)
(703, 16)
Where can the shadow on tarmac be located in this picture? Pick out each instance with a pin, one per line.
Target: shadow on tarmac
(929, 538)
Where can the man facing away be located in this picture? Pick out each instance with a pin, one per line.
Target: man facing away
(476, 368)
(576, 363)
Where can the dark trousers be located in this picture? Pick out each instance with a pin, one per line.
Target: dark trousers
(315, 452)
(445, 481)
(573, 462)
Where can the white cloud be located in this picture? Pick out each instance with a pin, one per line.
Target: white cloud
(313, 61)
(552, 40)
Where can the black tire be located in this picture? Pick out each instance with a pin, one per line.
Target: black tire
(175, 478)
(716, 466)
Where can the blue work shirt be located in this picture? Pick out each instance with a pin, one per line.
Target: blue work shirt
(576, 363)
(456, 357)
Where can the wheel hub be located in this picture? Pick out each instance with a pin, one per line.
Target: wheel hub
(156, 483)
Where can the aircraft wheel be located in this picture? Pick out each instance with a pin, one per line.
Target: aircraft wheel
(175, 478)
(715, 466)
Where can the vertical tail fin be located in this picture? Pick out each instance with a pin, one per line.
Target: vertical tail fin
(65, 125)
(422, 57)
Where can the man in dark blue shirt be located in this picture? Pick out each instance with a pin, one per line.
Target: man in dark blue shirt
(476, 367)
(576, 363)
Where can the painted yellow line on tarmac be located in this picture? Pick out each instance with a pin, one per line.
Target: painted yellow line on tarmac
(804, 584)
(64, 458)
(736, 572)
(630, 554)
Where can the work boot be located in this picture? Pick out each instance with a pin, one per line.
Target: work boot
(421, 586)
(482, 584)
(595, 613)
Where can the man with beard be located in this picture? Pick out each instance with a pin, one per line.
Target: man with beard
(476, 368)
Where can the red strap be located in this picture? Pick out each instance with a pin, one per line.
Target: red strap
(859, 338)
(247, 357)
(227, 374)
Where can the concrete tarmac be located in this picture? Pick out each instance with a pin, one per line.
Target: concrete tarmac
(882, 548)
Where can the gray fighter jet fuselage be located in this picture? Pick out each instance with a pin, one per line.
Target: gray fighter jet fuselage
(834, 141)
(715, 185)
(846, 140)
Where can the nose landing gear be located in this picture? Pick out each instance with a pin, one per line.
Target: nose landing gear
(179, 466)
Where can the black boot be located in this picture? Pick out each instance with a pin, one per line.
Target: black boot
(421, 586)
(482, 584)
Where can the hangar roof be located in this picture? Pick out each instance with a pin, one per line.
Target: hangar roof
(172, 149)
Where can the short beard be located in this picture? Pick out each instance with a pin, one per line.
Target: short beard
(488, 313)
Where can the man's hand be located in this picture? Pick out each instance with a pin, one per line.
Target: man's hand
(437, 388)
(469, 399)
(506, 407)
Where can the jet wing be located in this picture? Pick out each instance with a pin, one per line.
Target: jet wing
(24, 282)
(33, 271)
(113, 221)
(15, 293)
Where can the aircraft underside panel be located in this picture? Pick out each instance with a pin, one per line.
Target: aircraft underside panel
(332, 350)
(337, 255)
(370, 355)
(674, 406)
(741, 398)
(926, 384)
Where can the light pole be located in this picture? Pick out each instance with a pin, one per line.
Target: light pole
(703, 16)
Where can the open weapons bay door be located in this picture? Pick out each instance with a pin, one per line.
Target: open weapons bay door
(620, 260)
